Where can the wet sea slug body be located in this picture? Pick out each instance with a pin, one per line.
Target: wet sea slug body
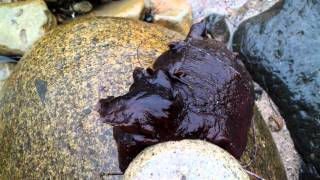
(196, 90)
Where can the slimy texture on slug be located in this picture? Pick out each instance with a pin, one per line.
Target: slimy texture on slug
(196, 90)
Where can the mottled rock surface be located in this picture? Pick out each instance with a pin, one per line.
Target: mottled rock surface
(23, 23)
(186, 159)
(48, 123)
(280, 49)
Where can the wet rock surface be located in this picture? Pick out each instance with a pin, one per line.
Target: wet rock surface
(280, 49)
(218, 28)
(23, 23)
(186, 159)
(66, 147)
(196, 90)
(275, 123)
(262, 155)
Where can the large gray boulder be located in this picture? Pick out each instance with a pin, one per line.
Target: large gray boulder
(281, 50)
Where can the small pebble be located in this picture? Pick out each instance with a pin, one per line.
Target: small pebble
(82, 7)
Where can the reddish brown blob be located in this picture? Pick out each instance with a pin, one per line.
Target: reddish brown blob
(196, 90)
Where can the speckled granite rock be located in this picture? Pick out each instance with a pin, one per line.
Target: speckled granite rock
(186, 159)
(22, 23)
(48, 123)
(124, 8)
(280, 49)
(173, 14)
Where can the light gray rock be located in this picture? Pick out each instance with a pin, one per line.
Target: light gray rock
(82, 7)
(5, 71)
(186, 159)
(235, 11)
(22, 23)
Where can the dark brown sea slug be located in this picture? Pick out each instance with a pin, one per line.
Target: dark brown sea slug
(196, 90)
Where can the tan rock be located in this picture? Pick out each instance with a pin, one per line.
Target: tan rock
(23, 23)
(175, 14)
(186, 159)
(124, 8)
(49, 128)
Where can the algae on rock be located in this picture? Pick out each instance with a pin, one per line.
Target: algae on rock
(262, 156)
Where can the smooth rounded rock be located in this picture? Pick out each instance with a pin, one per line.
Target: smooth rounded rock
(186, 159)
(174, 14)
(22, 24)
(82, 7)
(280, 49)
(49, 127)
(124, 8)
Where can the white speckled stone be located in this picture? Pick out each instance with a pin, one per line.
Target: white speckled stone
(186, 159)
